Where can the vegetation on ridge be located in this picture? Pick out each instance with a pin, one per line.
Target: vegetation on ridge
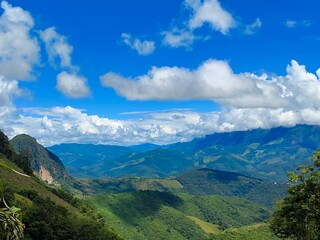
(166, 215)
(298, 214)
(47, 213)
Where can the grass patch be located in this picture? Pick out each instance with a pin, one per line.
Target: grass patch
(205, 226)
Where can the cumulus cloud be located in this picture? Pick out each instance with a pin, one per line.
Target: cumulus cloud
(253, 27)
(214, 80)
(72, 85)
(57, 47)
(19, 51)
(67, 125)
(9, 89)
(69, 83)
(211, 12)
(143, 48)
(202, 12)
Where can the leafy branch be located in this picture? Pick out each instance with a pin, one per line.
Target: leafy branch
(11, 226)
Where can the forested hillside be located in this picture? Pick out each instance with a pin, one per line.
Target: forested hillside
(48, 213)
(164, 215)
(43, 162)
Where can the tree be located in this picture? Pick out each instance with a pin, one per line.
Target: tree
(11, 227)
(24, 161)
(298, 214)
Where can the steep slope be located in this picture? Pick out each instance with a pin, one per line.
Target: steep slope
(48, 213)
(44, 163)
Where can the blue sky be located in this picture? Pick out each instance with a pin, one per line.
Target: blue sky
(128, 72)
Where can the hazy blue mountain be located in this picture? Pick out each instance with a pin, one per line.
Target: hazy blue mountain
(264, 153)
(155, 163)
(144, 147)
(88, 160)
(261, 153)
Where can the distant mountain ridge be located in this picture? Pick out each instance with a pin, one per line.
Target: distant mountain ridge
(45, 164)
(214, 182)
(262, 153)
(199, 182)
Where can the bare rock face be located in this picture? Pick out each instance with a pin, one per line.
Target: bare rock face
(45, 175)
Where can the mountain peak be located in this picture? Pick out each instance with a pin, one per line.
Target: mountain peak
(44, 163)
(24, 137)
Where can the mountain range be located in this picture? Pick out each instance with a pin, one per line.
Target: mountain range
(198, 204)
(261, 153)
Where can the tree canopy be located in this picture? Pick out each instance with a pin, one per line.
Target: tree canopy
(298, 215)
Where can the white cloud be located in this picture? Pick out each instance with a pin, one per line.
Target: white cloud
(202, 12)
(19, 51)
(142, 47)
(251, 28)
(57, 47)
(211, 12)
(9, 89)
(293, 23)
(66, 124)
(248, 102)
(290, 23)
(72, 85)
(69, 83)
(178, 38)
(214, 80)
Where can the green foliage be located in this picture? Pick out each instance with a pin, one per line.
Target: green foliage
(165, 215)
(208, 182)
(46, 220)
(254, 232)
(126, 184)
(11, 227)
(23, 160)
(47, 213)
(298, 215)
